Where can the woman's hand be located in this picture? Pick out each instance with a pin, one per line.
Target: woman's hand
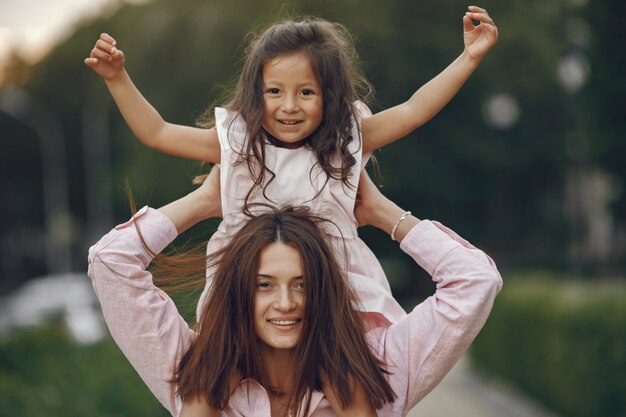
(105, 59)
(478, 39)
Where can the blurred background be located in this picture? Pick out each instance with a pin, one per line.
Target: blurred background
(527, 162)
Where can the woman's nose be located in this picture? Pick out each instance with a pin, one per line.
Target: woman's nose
(285, 300)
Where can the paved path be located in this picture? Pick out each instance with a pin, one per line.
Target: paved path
(463, 393)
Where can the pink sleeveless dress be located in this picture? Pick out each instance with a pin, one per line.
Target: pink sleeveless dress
(296, 184)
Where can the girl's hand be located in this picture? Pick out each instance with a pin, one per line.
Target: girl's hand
(478, 39)
(105, 59)
(210, 195)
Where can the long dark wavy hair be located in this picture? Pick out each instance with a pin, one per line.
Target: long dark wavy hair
(330, 48)
(332, 343)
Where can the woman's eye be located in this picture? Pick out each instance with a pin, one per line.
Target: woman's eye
(263, 285)
(300, 285)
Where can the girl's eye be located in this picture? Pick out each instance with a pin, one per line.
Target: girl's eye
(307, 92)
(273, 91)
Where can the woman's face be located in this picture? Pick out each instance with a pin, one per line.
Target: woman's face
(279, 297)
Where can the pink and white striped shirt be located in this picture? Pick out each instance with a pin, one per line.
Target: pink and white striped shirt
(419, 350)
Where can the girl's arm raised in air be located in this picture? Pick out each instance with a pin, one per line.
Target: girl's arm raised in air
(396, 122)
(143, 119)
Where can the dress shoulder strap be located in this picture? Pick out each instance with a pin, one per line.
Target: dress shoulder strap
(231, 129)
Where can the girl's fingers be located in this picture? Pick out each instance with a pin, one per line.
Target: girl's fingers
(481, 17)
(105, 46)
(118, 55)
(468, 25)
(477, 9)
(99, 54)
(104, 51)
(108, 38)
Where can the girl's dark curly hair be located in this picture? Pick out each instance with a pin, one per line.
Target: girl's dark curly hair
(333, 57)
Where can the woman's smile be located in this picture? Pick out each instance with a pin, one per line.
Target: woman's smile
(283, 323)
(279, 297)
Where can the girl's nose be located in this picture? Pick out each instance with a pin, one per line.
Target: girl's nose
(289, 103)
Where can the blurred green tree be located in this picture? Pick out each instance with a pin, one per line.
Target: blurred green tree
(494, 164)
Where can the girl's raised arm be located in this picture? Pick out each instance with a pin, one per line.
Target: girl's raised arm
(143, 119)
(396, 122)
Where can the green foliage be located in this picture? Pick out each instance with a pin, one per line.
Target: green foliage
(43, 373)
(456, 168)
(562, 342)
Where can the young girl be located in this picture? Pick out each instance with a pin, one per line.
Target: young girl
(296, 133)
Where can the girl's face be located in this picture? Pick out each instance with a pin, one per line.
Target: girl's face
(292, 95)
(279, 297)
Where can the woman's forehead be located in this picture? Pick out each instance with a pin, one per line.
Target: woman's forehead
(278, 260)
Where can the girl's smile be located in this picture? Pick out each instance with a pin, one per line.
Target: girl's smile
(292, 97)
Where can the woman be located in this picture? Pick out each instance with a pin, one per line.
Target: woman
(413, 355)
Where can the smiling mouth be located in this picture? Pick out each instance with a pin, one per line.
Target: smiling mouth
(283, 322)
(290, 122)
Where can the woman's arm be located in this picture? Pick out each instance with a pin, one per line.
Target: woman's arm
(396, 122)
(142, 319)
(430, 340)
(421, 348)
(143, 119)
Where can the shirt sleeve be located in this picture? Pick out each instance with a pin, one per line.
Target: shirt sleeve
(142, 319)
(421, 348)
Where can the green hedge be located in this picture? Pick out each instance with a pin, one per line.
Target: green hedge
(43, 373)
(562, 342)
